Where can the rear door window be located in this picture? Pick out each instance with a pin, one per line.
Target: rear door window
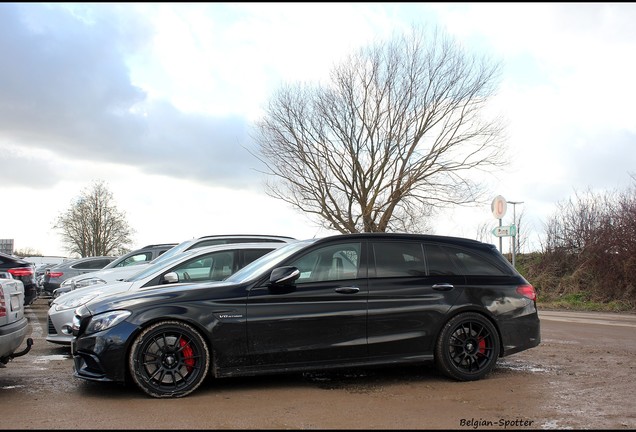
(398, 258)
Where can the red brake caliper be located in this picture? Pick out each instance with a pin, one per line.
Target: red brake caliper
(482, 346)
(188, 355)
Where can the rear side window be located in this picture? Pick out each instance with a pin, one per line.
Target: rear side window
(396, 259)
(475, 263)
(440, 262)
(93, 264)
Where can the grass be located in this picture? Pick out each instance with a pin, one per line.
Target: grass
(581, 302)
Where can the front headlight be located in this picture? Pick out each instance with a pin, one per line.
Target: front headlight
(87, 282)
(61, 305)
(106, 320)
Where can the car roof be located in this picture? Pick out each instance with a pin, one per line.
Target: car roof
(247, 235)
(407, 236)
(83, 259)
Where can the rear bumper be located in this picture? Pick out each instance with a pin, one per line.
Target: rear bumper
(521, 333)
(11, 337)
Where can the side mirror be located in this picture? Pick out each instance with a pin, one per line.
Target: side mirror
(284, 276)
(171, 277)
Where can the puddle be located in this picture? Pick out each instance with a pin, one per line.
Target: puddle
(553, 424)
(520, 366)
(50, 358)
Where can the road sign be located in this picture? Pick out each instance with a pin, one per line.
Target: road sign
(505, 231)
(498, 207)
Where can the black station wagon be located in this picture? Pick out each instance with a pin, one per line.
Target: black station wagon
(342, 301)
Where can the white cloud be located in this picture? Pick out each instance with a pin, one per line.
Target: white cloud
(158, 100)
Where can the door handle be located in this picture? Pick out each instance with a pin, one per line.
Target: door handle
(443, 287)
(347, 290)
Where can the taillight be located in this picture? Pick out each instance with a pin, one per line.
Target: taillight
(56, 274)
(3, 305)
(527, 291)
(21, 271)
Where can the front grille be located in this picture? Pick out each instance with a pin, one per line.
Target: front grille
(52, 330)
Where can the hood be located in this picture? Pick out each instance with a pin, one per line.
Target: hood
(90, 293)
(111, 275)
(158, 294)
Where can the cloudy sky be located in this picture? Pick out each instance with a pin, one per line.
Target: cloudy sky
(158, 100)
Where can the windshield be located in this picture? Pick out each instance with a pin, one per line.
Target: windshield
(157, 264)
(267, 262)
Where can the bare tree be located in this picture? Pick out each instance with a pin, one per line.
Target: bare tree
(27, 251)
(397, 133)
(92, 225)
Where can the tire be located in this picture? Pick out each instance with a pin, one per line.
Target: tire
(467, 348)
(169, 359)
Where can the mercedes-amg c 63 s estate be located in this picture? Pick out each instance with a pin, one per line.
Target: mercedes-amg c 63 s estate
(342, 301)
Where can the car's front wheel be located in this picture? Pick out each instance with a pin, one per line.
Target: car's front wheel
(169, 359)
(468, 347)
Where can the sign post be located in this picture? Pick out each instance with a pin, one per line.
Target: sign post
(514, 236)
(498, 207)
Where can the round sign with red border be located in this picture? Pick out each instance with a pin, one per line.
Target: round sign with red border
(498, 207)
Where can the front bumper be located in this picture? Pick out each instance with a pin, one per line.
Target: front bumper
(102, 356)
(59, 326)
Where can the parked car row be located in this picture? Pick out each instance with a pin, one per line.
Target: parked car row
(118, 268)
(252, 305)
(199, 264)
(342, 301)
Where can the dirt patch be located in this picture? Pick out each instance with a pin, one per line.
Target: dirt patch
(581, 376)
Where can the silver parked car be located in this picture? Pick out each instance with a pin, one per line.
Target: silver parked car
(121, 268)
(111, 273)
(211, 263)
(13, 323)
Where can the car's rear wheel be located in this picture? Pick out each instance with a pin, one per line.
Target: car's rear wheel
(468, 347)
(169, 359)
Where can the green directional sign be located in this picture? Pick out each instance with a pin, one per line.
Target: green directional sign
(505, 231)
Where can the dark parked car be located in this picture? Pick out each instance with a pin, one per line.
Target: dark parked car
(55, 275)
(341, 301)
(22, 270)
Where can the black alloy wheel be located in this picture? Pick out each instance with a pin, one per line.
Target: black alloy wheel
(169, 359)
(468, 347)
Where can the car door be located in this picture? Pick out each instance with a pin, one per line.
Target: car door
(322, 318)
(411, 287)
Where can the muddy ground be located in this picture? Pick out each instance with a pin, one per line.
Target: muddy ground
(581, 376)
